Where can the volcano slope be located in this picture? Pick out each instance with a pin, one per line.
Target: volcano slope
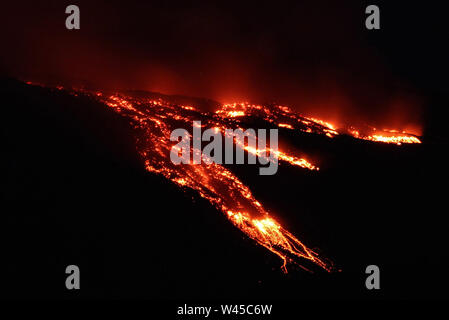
(75, 190)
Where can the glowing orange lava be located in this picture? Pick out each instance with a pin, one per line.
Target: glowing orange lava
(212, 181)
(385, 136)
(155, 119)
(284, 117)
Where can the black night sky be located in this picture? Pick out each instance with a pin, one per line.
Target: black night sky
(316, 56)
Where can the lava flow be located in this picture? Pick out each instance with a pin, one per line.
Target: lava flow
(284, 117)
(155, 119)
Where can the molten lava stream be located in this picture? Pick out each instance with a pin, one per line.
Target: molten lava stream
(212, 181)
(157, 118)
(284, 117)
